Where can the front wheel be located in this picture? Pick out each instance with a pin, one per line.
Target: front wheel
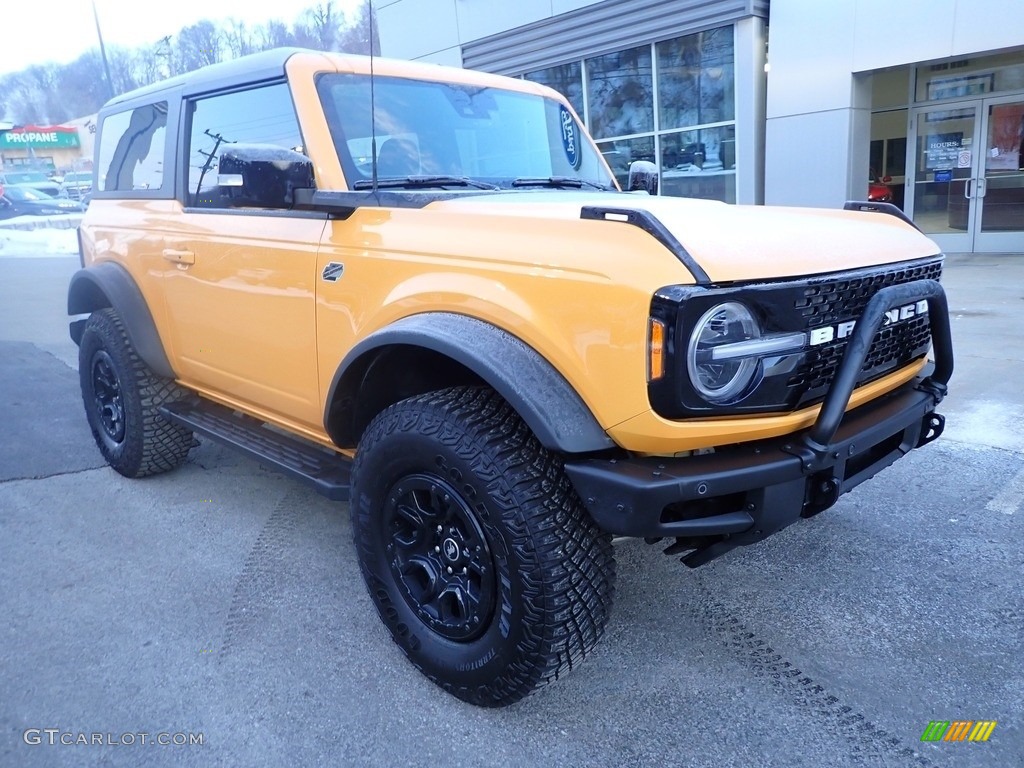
(475, 549)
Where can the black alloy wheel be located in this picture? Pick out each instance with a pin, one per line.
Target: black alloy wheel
(122, 399)
(476, 551)
(107, 397)
(440, 557)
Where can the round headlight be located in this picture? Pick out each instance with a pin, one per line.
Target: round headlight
(719, 381)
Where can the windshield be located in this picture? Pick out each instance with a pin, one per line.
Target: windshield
(487, 135)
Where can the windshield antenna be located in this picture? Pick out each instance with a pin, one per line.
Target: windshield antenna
(373, 109)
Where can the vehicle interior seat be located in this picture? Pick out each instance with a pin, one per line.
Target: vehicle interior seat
(398, 157)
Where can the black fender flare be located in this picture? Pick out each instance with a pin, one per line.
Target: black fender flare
(110, 285)
(540, 394)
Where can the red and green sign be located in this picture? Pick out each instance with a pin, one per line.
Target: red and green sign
(40, 137)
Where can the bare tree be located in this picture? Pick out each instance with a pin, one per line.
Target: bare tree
(197, 45)
(82, 85)
(41, 94)
(361, 36)
(123, 72)
(325, 22)
(238, 38)
(150, 62)
(274, 34)
(54, 93)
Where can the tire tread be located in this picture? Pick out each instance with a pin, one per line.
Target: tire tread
(163, 445)
(568, 606)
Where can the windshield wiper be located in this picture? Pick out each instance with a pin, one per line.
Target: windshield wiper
(558, 182)
(414, 182)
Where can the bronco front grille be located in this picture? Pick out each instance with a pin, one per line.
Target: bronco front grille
(839, 299)
(799, 305)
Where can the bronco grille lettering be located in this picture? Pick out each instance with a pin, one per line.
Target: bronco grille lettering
(828, 333)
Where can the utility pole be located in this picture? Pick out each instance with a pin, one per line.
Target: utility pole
(103, 51)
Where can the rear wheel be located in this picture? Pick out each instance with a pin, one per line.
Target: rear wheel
(476, 551)
(122, 397)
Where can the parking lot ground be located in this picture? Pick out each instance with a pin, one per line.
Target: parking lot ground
(224, 600)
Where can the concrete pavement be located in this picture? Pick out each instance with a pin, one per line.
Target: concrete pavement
(225, 600)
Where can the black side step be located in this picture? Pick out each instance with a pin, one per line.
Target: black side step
(329, 473)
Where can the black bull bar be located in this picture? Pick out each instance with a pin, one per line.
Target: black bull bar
(744, 493)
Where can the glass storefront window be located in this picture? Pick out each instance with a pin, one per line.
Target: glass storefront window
(700, 164)
(696, 79)
(687, 128)
(619, 153)
(567, 79)
(620, 93)
(970, 78)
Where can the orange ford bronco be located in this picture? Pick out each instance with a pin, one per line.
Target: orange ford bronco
(421, 290)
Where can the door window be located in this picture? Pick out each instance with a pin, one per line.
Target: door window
(264, 117)
(943, 188)
(1003, 190)
(132, 149)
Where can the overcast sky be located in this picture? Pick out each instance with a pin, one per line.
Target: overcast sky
(61, 30)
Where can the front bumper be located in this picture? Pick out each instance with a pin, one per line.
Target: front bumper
(741, 494)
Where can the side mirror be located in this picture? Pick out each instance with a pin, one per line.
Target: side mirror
(262, 176)
(643, 174)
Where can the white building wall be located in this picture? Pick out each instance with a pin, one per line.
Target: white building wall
(434, 30)
(427, 30)
(818, 112)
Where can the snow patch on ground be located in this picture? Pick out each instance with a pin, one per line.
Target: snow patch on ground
(57, 221)
(38, 243)
(988, 423)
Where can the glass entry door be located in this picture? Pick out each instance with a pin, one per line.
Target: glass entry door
(967, 175)
(999, 218)
(944, 197)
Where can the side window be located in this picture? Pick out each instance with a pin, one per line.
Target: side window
(131, 156)
(260, 120)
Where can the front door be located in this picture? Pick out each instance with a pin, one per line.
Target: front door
(240, 282)
(941, 196)
(967, 184)
(999, 218)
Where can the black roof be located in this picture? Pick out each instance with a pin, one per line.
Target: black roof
(266, 65)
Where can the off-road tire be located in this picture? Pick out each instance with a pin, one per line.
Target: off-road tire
(553, 568)
(139, 441)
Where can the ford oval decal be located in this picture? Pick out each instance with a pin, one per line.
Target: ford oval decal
(570, 137)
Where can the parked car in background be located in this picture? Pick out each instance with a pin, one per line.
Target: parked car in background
(879, 190)
(32, 179)
(25, 201)
(76, 185)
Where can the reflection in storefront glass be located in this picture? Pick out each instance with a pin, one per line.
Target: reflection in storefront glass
(700, 164)
(696, 87)
(969, 78)
(695, 79)
(620, 93)
(621, 152)
(567, 79)
(1003, 202)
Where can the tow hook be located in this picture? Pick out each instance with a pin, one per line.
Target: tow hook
(822, 493)
(931, 427)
